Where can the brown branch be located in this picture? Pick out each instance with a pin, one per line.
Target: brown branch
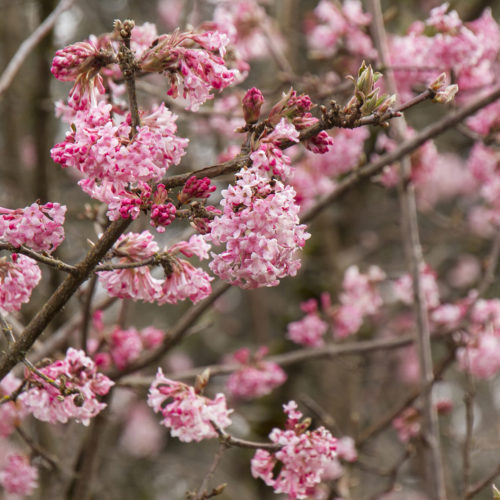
(405, 148)
(430, 427)
(60, 297)
(483, 483)
(43, 259)
(289, 358)
(229, 440)
(30, 43)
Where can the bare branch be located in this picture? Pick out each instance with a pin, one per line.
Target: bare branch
(30, 43)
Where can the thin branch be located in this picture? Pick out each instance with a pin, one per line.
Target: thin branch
(44, 259)
(469, 429)
(202, 492)
(476, 488)
(405, 148)
(30, 43)
(60, 297)
(229, 440)
(411, 237)
(87, 312)
(290, 358)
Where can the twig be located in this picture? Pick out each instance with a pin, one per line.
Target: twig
(469, 428)
(44, 259)
(60, 297)
(290, 358)
(30, 43)
(243, 443)
(430, 427)
(405, 148)
(476, 488)
(86, 311)
(202, 492)
(491, 267)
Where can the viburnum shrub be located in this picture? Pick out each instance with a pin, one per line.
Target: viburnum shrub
(405, 331)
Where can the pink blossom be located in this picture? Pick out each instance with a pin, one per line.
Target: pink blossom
(125, 346)
(37, 226)
(252, 102)
(141, 437)
(481, 357)
(196, 71)
(114, 166)
(347, 320)
(196, 188)
(403, 288)
(151, 337)
(303, 458)
(260, 228)
(408, 424)
(359, 289)
(256, 377)
(188, 415)
(18, 277)
(78, 374)
(18, 476)
(135, 283)
(308, 331)
(81, 63)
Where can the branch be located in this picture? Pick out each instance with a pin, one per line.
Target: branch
(483, 483)
(229, 440)
(30, 43)
(44, 259)
(411, 237)
(405, 148)
(290, 358)
(60, 297)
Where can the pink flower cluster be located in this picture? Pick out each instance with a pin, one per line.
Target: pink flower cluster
(196, 188)
(260, 228)
(302, 460)
(481, 354)
(80, 385)
(81, 62)
(188, 415)
(360, 298)
(182, 280)
(256, 377)
(37, 226)
(18, 277)
(195, 71)
(113, 165)
(310, 329)
(444, 42)
(334, 27)
(18, 477)
(403, 288)
(125, 346)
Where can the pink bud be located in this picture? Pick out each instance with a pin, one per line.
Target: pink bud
(252, 102)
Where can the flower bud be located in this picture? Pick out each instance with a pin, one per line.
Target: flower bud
(447, 94)
(252, 102)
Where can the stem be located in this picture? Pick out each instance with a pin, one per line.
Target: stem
(59, 298)
(202, 490)
(30, 43)
(430, 427)
(87, 312)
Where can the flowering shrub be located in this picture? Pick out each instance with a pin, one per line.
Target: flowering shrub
(208, 158)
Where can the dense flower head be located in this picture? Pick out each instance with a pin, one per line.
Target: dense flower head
(18, 477)
(196, 188)
(81, 62)
(256, 377)
(195, 71)
(18, 277)
(80, 384)
(252, 102)
(308, 331)
(403, 288)
(181, 281)
(113, 165)
(303, 458)
(260, 228)
(39, 227)
(188, 415)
